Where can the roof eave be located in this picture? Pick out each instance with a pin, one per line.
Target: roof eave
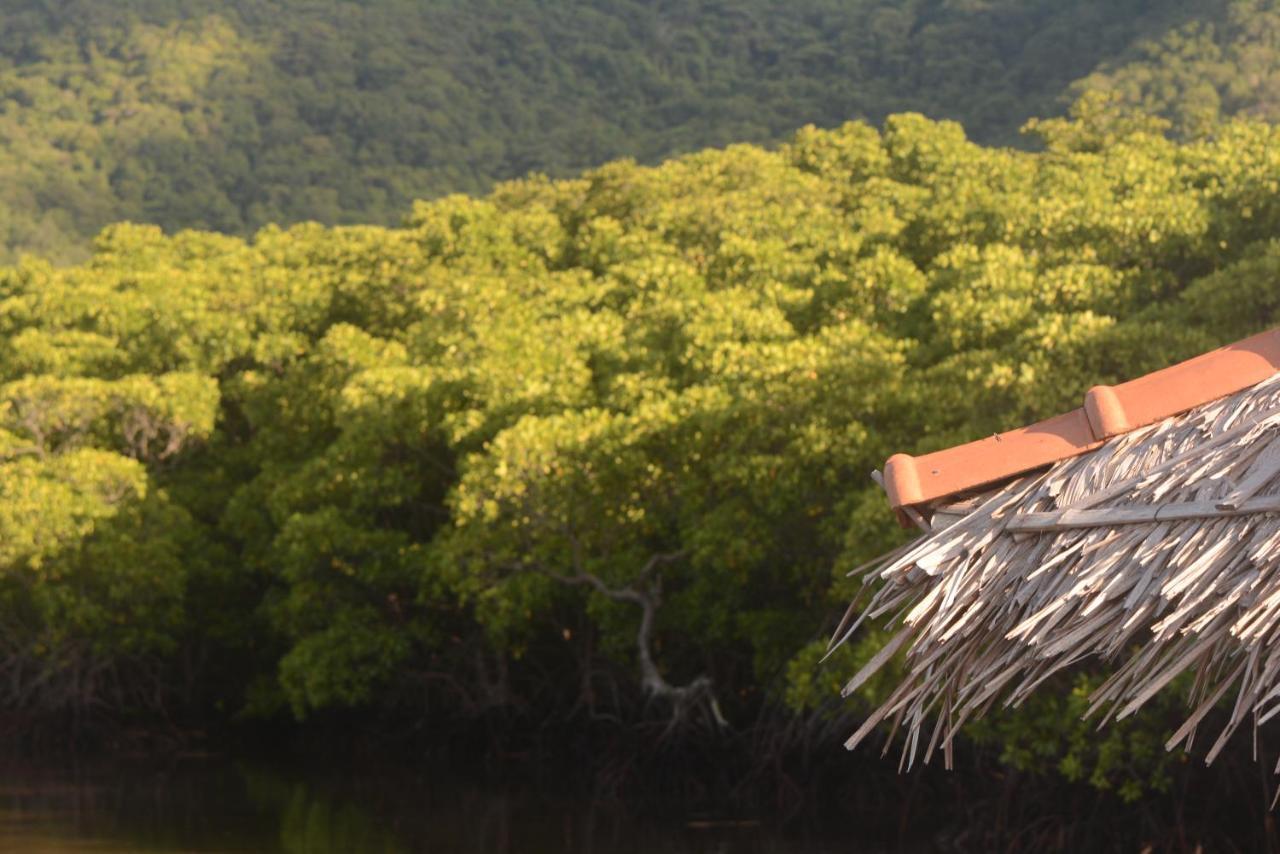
(1107, 411)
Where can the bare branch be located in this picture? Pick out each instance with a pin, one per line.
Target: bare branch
(684, 698)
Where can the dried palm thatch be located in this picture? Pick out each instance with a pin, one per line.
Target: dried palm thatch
(1159, 552)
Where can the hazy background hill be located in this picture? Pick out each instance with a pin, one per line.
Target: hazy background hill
(230, 114)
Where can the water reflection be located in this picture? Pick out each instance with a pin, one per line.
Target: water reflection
(225, 807)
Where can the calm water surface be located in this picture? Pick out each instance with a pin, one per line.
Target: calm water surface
(220, 806)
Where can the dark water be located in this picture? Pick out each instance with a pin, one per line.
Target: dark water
(211, 806)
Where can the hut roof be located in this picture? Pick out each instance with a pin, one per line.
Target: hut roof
(1154, 546)
(1108, 411)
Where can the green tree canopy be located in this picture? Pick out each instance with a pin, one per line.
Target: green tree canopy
(600, 442)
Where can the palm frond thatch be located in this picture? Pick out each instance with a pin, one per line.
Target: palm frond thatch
(1159, 551)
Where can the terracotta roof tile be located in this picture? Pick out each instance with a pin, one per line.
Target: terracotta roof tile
(1107, 411)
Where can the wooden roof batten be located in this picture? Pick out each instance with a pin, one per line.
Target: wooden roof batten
(1142, 530)
(1107, 411)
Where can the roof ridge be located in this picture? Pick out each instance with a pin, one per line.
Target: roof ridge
(1107, 411)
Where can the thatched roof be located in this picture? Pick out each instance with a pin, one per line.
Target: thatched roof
(1157, 550)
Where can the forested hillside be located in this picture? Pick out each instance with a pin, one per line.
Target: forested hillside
(549, 451)
(1224, 63)
(232, 114)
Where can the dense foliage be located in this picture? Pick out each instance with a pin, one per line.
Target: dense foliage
(232, 114)
(579, 442)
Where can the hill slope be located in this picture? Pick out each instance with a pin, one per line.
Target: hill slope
(230, 114)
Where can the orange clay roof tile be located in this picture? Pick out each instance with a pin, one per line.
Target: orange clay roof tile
(1108, 411)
